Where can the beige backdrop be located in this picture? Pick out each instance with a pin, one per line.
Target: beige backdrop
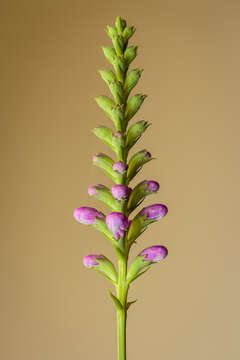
(52, 308)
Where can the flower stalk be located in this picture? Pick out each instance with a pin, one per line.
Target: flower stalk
(121, 199)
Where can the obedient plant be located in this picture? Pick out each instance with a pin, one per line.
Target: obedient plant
(121, 200)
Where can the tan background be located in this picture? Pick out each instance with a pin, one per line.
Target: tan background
(52, 308)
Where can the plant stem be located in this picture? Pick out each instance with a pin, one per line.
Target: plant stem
(122, 290)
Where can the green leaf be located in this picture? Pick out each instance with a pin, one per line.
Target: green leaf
(131, 80)
(130, 54)
(134, 133)
(133, 105)
(116, 301)
(130, 303)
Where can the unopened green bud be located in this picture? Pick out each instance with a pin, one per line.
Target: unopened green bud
(107, 75)
(105, 134)
(128, 32)
(120, 24)
(130, 54)
(120, 68)
(131, 80)
(111, 31)
(105, 103)
(133, 105)
(117, 91)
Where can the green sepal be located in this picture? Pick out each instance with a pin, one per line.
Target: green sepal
(117, 91)
(120, 24)
(102, 227)
(107, 267)
(117, 303)
(109, 53)
(137, 196)
(111, 31)
(105, 134)
(139, 274)
(106, 277)
(134, 133)
(137, 265)
(133, 105)
(128, 32)
(135, 164)
(108, 76)
(117, 39)
(130, 54)
(136, 228)
(131, 80)
(129, 303)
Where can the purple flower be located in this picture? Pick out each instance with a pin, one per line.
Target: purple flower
(87, 215)
(154, 212)
(152, 185)
(154, 253)
(120, 167)
(121, 192)
(147, 155)
(90, 260)
(92, 189)
(117, 223)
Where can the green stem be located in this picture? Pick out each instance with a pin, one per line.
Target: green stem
(122, 290)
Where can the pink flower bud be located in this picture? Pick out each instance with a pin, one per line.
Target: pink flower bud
(118, 134)
(117, 223)
(154, 212)
(147, 155)
(154, 253)
(95, 157)
(92, 189)
(152, 185)
(120, 167)
(90, 260)
(87, 215)
(121, 192)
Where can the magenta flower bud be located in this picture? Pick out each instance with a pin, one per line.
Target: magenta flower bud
(118, 134)
(90, 260)
(147, 155)
(121, 192)
(154, 253)
(87, 215)
(154, 212)
(117, 223)
(95, 157)
(120, 167)
(152, 185)
(92, 189)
